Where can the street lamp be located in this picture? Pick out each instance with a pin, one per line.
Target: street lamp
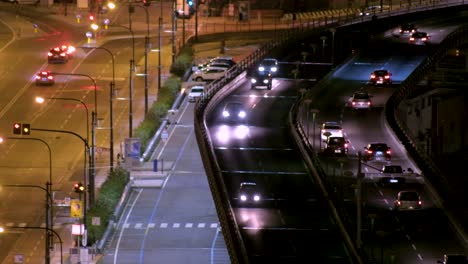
(111, 117)
(48, 189)
(132, 69)
(92, 155)
(3, 230)
(333, 31)
(87, 151)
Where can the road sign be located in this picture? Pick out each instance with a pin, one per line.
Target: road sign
(76, 208)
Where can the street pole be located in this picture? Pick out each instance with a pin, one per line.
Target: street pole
(333, 31)
(359, 201)
(159, 53)
(174, 28)
(196, 20)
(147, 44)
(183, 23)
(130, 113)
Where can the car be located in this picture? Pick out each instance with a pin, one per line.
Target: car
(376, 151)
(261, 80)
(372, 10)
(454, 259)
(57, 55)
(361, 100)
(195, 93)
(234, 112)
(331, 129)
(209, 74)
(408, 200)
(419, 38)
(249, 193)
(268, 65)
(336, 145)
(45, 78)
(382, 76)
(394, 169)
(407, 29)
(224, 59)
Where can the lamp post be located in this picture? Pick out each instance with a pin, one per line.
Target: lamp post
(48, 189)
(132, 69)
(333, 31)
(174, 28)
(92, 165)
(86, 141)
(2, 230)
(111, 117)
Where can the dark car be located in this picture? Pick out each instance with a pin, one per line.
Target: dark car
(419, 38)
(44, 78)
(336, 146)
(383, 77)
(268, 65)
(407, 28)
(57, 55)
(249, 193)
(234, 112)
(261, 80)
(392, 182)
(376, 151)
(454, 259)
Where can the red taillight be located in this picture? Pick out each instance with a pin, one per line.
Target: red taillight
(63, 54)
(353, 103)
(387, 76)
(389, 152)
(44, 73)
(419, 202)
(57, 49)
(50, 77)
(372, 76)
(369, 151)
(38, 77)
(346, 145)
(49, 54)
(398, 203)
(369, 103)
(411, 39)
(323, 130)
(424, 39)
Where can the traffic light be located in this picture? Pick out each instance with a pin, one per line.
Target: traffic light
(91, 17)
(17, 128)
(78, 187)
(146, 2)
(26, 129)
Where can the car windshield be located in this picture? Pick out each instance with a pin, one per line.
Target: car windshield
(407, 27)
(379, 147)
(393, 169)
(333, 127)
(269, 62)
(362, 96)
(419, 35)
(336, 140)
(380, 73)
(409, 196)
(197, 90)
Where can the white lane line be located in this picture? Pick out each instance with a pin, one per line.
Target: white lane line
(420, 257)
(176, 225)
(151, 225)
(163, 225)
(188, 225)
(123, 229)
(214, 225)
(138, 225)
(201, 225)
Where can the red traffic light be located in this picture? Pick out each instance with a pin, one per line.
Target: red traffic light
(91, 17)
(17, 128)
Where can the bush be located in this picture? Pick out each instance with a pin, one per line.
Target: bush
(109, 196)
(183, 61)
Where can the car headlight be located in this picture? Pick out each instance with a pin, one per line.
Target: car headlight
(265, 81)
(261, 68)
(256, 197)
(253, 80)
(274, 69)
(243, 198)
(242, 114)
(225, 113)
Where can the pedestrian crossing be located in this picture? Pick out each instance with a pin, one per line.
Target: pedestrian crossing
(171, 225)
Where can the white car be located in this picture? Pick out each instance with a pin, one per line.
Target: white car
(331, 129)
(361, 100)
(209, 74)
(195, 92)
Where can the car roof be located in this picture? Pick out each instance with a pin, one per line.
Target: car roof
(243, 184)
(381, 71)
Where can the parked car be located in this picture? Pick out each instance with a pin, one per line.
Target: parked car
(195, 93)
(209, 74)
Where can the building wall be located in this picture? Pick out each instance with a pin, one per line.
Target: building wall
(450, 124)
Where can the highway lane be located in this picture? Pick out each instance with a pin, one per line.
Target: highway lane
(24, 162)
(407, 237)
(285, 227)
(176, 222)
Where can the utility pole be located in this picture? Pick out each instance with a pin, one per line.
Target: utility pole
(360, 177)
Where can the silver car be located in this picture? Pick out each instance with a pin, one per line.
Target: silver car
(361, 100)
(408, 200)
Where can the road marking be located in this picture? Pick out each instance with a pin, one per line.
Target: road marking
(201, 225)
(138, 225)
(126, 225)
(163, 225)
(188, 225)
(214, 226)
(151, 225)
(176, 225)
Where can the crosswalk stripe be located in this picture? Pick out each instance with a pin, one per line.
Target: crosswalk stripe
(188, 225)
(176, 225)
(214, 225)
(151, 225)
(163, 225)
(138, 225)
(201, 225)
